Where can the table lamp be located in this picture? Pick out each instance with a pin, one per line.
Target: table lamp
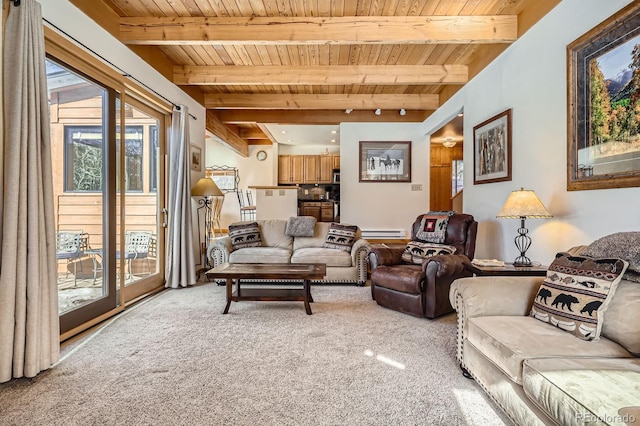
(523, 204)
(211, 194)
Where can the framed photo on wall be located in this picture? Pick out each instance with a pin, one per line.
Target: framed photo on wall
(196, 158)
(603, 146)
(492, 149)
(385, 161)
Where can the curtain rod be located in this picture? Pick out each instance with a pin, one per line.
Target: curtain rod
(117, 68)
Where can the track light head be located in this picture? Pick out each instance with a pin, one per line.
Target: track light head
(348, 110)
(403, 112)
(378, 111)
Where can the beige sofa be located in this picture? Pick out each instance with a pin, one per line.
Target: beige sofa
(342, 266)
(539, 374)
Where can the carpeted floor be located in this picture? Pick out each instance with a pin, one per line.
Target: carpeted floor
(176, 360)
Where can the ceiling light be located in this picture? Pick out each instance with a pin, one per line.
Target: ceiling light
(460, 114)
(333, 132)
(283, 131)
(333, 140)
(378, 111)
(403, 111)
(348, 110)
(449, 142)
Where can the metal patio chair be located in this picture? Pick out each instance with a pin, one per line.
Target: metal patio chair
(70, 246)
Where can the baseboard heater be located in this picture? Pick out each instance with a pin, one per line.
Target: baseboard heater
(383, 234)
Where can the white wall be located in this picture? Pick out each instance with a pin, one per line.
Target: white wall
(382, 205)
(530, 77)
(251, 172)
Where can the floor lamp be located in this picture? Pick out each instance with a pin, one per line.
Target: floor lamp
(522, 204)
(211, 202)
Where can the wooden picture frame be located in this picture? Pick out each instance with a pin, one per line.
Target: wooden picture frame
(603, 133)
(196, 158)
(492, 149)
(385, 162)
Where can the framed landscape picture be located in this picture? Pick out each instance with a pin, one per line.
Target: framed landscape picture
(196, 158)
(603, 146)
(385, 161)
(492, 149)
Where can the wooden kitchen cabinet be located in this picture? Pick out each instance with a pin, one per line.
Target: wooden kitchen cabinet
(307, 168)
(318, 169)
(311, 169)
(291, 169)
(311, 209)
(321, 210)
(325, 172)
(326, 212)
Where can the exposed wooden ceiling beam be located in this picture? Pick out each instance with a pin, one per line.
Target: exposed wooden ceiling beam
(233, 141)
(319, 101)
(317, 116)
(319, 30)
(308, 75)
(252, 133)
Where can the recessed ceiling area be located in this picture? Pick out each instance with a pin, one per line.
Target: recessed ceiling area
(450, 132)
(290, 134)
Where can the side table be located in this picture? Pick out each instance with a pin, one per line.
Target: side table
(507, 270)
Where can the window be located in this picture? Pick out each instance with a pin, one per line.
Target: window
(457, 173)
(83, 158)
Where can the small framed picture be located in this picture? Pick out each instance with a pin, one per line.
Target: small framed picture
(385, 161)
(492, 149)
(196, 158)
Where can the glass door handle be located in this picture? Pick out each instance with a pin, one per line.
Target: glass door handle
(165, 217)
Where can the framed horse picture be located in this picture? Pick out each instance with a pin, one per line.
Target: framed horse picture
(385, 161)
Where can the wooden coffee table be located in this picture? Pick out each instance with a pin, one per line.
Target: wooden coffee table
(290, 271)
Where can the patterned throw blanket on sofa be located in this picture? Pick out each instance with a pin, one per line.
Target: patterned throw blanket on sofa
(433, 226)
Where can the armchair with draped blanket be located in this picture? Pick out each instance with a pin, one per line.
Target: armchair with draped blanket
(422, 289)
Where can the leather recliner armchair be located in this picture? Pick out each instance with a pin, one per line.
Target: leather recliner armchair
(423, 290)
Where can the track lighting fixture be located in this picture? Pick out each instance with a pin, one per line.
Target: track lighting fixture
(403, 112)
(378, 111)
(348, 110)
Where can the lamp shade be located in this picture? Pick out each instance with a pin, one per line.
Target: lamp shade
(524, 203)
(206, 187)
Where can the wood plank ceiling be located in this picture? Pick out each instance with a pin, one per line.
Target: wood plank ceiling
(251, 62)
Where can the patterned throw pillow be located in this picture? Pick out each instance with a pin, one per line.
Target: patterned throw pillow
(576, 293)
(416, 251)
(433, 226)
(340, 237)
(245, 234)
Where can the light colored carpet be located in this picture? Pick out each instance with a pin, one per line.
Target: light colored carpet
(176, 360)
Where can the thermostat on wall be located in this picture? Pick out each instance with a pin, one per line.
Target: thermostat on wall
(261, 155)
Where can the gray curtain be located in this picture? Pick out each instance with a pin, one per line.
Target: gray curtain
(29, 329)
(181, 268)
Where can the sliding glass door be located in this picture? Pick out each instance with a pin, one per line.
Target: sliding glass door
(143, 182)
(107, 153)
(81, 115)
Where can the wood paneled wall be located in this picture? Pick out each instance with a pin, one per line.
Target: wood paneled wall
(440, 175)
